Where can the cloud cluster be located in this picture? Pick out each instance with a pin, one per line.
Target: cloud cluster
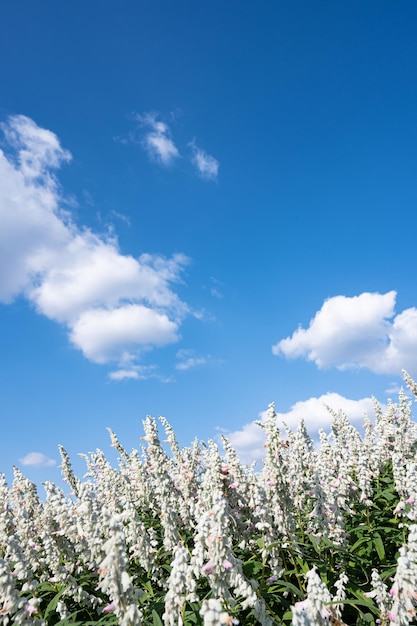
(188, 359)
(358, 332)
(37, 459)
(159, 144)
(157, 140)
(206, 165)
(249, 441)
(114, 306)
(134, 371)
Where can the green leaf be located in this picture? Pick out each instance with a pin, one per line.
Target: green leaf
(388, 494)
(109, 619)
(362, 600)
(50, 609)
(314, 543)
(303, 565)
(281, 585)
(379, 546)
(156, 619)
(190, 617)
(388, 573)
(45, 587)
(356, 603)
(68, 621)
(358, 543)
(148, 587)
(252, 568)
(287, 616)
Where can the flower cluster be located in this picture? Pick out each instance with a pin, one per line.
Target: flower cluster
(170, 536)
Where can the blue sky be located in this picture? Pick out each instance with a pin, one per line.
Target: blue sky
(204, 208)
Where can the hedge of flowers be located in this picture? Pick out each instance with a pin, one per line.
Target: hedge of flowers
(321, 534)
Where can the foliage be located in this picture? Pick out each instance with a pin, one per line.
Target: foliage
(321, 534)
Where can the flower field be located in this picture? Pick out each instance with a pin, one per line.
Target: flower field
(321, 534)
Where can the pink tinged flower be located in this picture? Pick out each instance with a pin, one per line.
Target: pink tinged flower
(303, 605)
(208, 568)
(227, 619)
(227, 564)
(30, 609)
(410, 501)
(109, 608)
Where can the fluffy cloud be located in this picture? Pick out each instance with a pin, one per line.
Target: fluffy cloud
(249, 441)
(362, 331)
(157, 140)
(37, 149)
(89, 272)
(113, 305)
(103, 335)
(206, 165)
(32, 227)
(37, 459)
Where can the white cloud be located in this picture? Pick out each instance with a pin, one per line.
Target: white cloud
(206, 165)
(113, 305)
(120, 216)
(134, 372)
(316, 415)
(124, 374)
(215, 288)
(187, 359)
(32, 228)
(362, 331)
(190, 363)
(90, 272)
(249, 441)
(393, 389)
(37, 149)
(37, 459)
(157, 141)
(104, 335)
